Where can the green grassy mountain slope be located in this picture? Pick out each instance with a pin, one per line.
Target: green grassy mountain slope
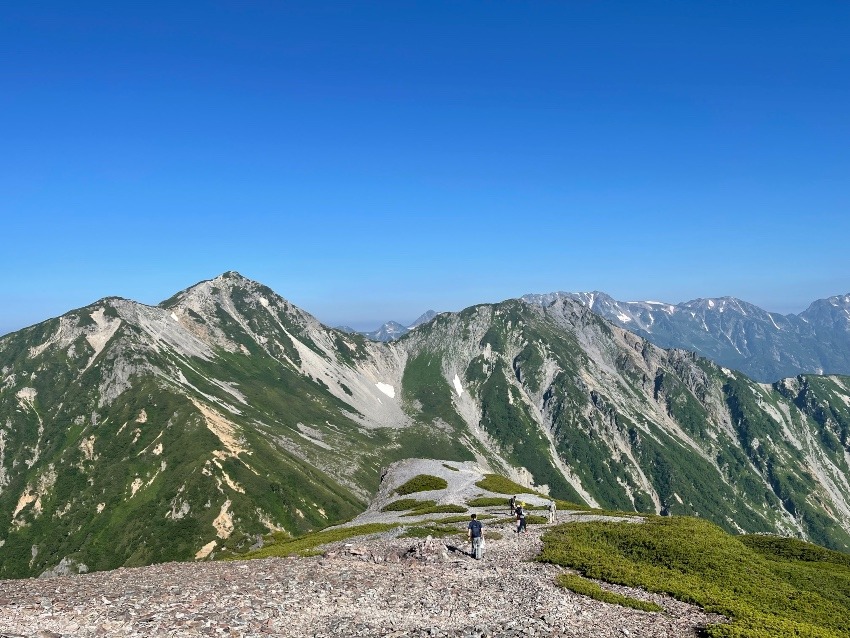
(132, 434)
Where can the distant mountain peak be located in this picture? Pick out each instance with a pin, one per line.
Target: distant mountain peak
(425, 317)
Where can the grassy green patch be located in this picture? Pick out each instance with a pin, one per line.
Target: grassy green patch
(463, 519)
(767, 586)
(422, 483)
(487, 501)
(581, 585)
(503, 485)
(434, 531)
(438, 509)
(282, 546)
(406, 504)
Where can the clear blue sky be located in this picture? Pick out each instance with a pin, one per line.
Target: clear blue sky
(371, 160)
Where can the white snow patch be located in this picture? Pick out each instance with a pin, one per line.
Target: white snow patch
(386, 388)
(173, 316)
(458, 386)
(264, 302)
(623, 318)
(710, 303)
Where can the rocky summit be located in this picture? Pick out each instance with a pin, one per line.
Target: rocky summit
(132, 434)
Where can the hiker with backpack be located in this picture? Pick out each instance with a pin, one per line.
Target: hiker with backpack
(551, 511)
(476, 536)
(520, 519)
(512, 504)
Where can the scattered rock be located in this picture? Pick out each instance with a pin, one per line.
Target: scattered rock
(382, 586)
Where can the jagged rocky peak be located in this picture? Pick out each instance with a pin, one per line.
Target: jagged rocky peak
(243, 300)
(832, 311)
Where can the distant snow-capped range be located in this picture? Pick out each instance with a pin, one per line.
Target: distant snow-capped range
(736, 334)
(765, 345)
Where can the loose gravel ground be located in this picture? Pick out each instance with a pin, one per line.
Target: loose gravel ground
(377, 586)
(383, 585)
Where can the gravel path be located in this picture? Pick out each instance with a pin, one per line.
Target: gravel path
(378, 586)
(382, 585)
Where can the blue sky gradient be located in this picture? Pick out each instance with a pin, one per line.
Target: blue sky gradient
(369, 161)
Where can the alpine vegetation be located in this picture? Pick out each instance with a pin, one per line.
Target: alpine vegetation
(134, 434)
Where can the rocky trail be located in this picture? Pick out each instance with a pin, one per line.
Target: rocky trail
(381, 585)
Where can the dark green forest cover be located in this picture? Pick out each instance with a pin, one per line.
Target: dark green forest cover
(768, 586)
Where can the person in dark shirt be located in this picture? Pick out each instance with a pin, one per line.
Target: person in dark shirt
(474, 534)
(520, 519)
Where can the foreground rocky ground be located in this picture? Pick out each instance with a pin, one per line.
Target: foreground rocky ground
(377, 586)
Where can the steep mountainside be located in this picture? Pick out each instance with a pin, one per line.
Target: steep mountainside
(132, 434)
(764, 345)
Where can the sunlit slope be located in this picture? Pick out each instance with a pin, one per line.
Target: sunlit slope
(132, 434)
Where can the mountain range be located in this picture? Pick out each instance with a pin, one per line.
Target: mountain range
(764, 345)
(391, 330)
(133, 434)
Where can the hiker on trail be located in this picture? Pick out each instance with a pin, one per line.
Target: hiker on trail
(520, 519)
(551, 511)
(475, 535)
(512, 504)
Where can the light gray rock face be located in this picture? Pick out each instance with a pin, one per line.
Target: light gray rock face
(148, 434)
(766, 346)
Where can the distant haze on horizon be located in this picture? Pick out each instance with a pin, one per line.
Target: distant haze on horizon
(370, 162)
(366, 318)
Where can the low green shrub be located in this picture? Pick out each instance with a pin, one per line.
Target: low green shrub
(437, 509)
(422, 483)
(406, 504)
(503, 485)
(766, 586)
(304, 545)
(487, 501)
(434, 531)
(585, 587)
(463, 519)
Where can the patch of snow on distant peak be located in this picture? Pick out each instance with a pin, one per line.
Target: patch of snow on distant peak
(710, 303)
(623, 318)
(173, 316)
(458, 387)
(264, 302)
(387, 389)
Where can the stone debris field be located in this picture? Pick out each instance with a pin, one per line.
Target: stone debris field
(382, 585)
